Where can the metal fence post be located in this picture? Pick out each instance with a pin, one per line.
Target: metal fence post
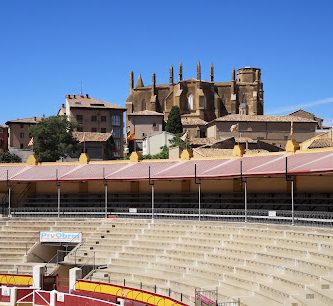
(9, 200)
(151, 183)
(197, 182)
(106, 199)
(292, 203)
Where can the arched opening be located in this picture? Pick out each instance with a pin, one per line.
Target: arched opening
(190, 102)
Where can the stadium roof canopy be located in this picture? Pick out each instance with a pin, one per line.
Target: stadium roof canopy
(266, 165)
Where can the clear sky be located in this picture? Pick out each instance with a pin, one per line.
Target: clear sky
(48, 47)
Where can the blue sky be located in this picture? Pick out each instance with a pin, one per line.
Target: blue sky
(48, 47)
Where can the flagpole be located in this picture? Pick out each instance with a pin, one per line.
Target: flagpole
(84, 142)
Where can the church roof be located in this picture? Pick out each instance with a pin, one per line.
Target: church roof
(263, 118)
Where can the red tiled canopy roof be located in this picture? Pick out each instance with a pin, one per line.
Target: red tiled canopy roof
(267, 165)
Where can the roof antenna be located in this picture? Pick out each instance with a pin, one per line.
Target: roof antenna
(81, 88)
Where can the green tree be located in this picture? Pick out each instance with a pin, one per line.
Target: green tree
(164, 154)
(8, 157)
(174, 123)
(178, 142)
(53, 139)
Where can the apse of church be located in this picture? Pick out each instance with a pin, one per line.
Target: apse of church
(198, 98)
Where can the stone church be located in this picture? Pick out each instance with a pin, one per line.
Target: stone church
(200, 101)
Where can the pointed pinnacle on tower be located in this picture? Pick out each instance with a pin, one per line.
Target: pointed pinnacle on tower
(212, 73)
(171, 75)
(198, 71)
(180, 72)
(153, 81)
(131, 80)
(139, 83)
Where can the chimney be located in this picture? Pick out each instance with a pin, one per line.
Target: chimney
(87, 96)
(74, 96)
(35, 118)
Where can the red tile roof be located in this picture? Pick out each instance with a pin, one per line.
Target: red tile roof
(88, 102)
(271, 164)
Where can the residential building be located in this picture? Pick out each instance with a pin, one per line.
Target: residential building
(99, 146)
(19, 132)
(273, 129)
(154, 144)
(3, 138)
(96, 116)
(145, 123)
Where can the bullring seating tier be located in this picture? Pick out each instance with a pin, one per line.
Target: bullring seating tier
(20, 236)
(260, 264)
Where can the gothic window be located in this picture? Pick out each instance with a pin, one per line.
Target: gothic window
(190, 102)
(143, 104)
(133, 108)
(204, 102)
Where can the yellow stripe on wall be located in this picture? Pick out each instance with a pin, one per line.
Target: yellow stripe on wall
(19, 280)
(133, 294)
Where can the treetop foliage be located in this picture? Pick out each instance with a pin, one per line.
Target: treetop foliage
(53, 139)
(174, 123)
(8, 157)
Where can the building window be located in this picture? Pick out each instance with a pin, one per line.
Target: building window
(204, 102)
(21, 135)
(116, 132)
(79, 129)
(190, 102)
(94, 130)
(103, 118)
(21, 146)
(93, 118)
(117, 144)
(79, 118)
(116, 120)
(143, 105)
(103, 130)
(21, 126)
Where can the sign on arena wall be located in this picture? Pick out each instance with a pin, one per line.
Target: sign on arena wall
(60, 237)
(5, 291)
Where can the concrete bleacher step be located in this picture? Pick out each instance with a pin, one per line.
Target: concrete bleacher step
(308, 299)
(262, 264)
